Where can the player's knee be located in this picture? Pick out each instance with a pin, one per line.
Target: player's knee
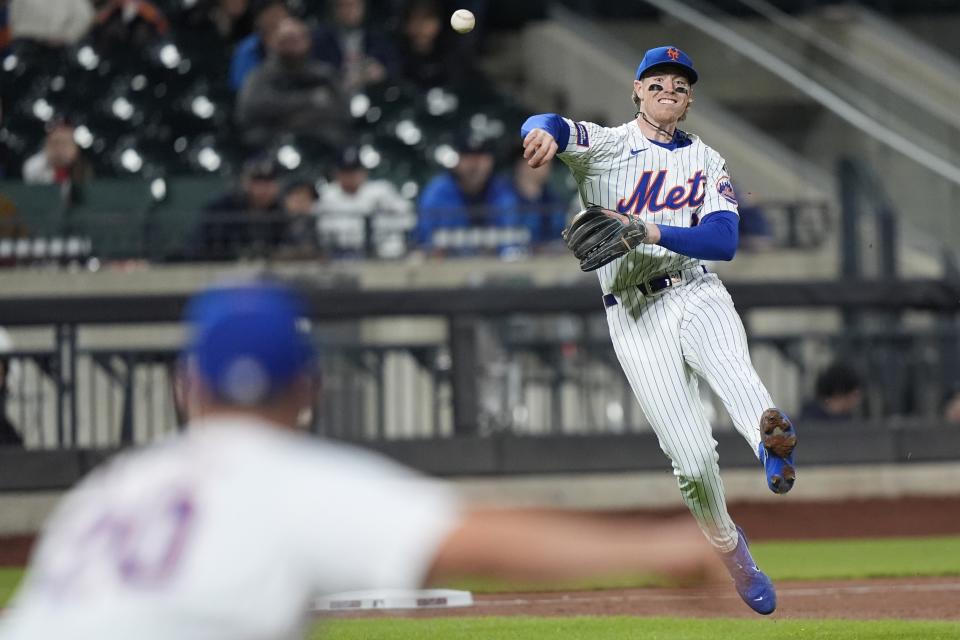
(697, 469)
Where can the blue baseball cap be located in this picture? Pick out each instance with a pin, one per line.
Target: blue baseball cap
(245, 340)
(669, 55)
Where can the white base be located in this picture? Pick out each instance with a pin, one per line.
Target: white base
(394, 599)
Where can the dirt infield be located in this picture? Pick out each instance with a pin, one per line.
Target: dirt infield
(911, 598)
(14, 550)
(849, 519)
(906, 598)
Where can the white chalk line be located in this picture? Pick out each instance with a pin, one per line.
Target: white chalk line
(664, 597)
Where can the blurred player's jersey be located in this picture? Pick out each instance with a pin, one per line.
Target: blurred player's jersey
(228, 531)
(620, 169)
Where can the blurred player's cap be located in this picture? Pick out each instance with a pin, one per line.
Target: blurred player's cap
(261, 168)
(471, 142)
(245, 341)
(301, 183)
(349, 158)
(259, 6)
(59, 122)
(663, 56)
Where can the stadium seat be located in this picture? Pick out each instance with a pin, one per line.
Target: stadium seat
(39, 208)
(112, 213)
(18, 145)
(172, 222)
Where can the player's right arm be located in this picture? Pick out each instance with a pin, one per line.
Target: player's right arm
(387, 527)
(580, 145)
(542, 136)
(549, 544)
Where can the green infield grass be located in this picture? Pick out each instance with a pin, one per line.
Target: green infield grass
(621, 628)
(854, 559)
(9, 578)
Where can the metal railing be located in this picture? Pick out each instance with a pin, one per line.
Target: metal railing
(511, 360)
(862, 195)
(394, 393)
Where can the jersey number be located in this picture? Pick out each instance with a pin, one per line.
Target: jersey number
(140, 549)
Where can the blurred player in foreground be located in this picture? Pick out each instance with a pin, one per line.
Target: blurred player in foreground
(659, 201)
(230, 529)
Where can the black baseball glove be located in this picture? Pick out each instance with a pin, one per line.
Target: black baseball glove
(598, 236)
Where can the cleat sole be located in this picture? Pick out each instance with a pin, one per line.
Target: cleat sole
(777, 434)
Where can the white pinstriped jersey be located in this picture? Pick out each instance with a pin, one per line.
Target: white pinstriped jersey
(226, 531)
(618, 168)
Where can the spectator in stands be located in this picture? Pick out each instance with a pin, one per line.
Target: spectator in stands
(470, 195)
(838, 395)
(60, 161)
(544, 211)
(248, 221)
(362, 54)
(9, 436)
(128, 25)
(291, 93)
(252, 50)
(230, 20)
(53, 23)
(428, 53)
(358, 214)
(299, 200)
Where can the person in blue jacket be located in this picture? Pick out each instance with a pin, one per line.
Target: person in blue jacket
(469, 195)
(543, 208)
(251, 51)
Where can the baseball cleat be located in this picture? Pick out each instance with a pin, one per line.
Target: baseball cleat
(778, 438)
(753, 585)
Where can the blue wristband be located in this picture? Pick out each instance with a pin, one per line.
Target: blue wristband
(552, 124)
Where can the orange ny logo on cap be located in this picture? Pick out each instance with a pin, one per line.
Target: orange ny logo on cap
(673, 53)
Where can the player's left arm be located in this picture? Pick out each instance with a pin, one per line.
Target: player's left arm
(715, 238)
(717, 234)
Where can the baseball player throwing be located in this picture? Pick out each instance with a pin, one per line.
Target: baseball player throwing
(658, 202)
(230, 529)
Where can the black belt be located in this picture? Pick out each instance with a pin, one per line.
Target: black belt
(651, 286)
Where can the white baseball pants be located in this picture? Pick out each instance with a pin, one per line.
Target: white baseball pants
(664, 342)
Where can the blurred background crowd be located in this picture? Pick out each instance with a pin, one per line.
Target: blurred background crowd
(365, 145)
(370, 123)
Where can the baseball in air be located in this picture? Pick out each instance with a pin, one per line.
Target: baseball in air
(462, 21)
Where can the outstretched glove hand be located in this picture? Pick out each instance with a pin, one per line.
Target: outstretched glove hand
(598, 236)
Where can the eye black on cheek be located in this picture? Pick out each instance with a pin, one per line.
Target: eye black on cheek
(654, 87)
